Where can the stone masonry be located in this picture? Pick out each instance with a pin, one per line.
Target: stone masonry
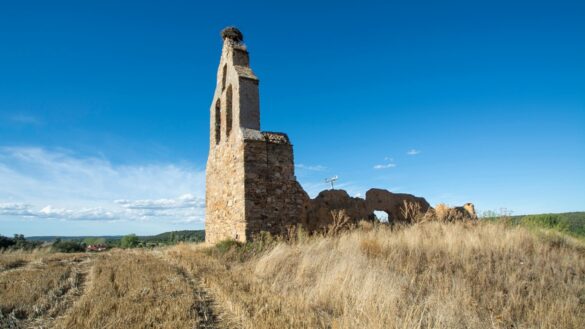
(250, 180)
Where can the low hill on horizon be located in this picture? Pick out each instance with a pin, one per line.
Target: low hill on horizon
(184, 235)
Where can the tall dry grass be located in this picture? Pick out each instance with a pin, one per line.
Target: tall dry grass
(431, 275)
(427, 275)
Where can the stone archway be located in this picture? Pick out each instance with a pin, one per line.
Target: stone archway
(382, 216)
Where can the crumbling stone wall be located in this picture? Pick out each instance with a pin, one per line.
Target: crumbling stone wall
(319, 210)
(393, 203)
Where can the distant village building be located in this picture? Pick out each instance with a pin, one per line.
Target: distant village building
(96, 247)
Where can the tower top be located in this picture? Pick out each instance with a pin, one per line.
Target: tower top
(232, 33)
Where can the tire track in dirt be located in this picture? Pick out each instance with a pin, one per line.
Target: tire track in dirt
(204, 303)
(60, 300)
(206, 318)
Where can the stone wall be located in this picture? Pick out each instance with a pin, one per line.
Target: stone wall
(224, 195)
(274, 199)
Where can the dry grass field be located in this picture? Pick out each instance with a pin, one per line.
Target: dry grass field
(429, 275)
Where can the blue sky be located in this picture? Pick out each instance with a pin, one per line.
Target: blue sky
(104, 104)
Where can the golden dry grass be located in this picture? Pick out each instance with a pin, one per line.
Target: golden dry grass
(430, 275)
(40, 288)
(134, 289)
(17, 258)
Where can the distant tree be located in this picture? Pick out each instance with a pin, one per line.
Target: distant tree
(91, 241)
(19, 242)
(6, 242)
(129, 241)
(68, 246)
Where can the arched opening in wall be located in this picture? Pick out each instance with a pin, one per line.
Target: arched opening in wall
(381, 216)
(228, 111)
(223, 76)
(217, 121)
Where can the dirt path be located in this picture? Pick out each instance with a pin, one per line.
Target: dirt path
(60, 300)
(206, 318)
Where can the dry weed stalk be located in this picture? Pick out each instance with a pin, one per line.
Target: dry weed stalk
(340, 222)
(411, 212)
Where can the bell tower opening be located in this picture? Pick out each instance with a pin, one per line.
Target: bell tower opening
(223, 76)
(217, 121)
(228, 111)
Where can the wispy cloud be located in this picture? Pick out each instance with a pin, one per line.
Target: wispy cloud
(48, 184)
(385, 166)
(413, 152)
(311, 168)
(174, 210)
(184, 201)
(50, 212)
(25, 119)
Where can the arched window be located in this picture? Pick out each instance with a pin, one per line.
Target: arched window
(217, 121)
(228, 111)
(223, 77)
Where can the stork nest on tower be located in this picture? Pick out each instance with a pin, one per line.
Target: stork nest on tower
(232, 33)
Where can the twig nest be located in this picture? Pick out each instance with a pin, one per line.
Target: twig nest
(232, 33)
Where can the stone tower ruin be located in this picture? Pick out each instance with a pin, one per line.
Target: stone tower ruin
(250, 181)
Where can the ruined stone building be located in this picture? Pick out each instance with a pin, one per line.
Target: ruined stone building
(250, 182)
(250, 179)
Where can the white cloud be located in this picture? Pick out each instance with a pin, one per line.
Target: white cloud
(385, 166)
(413, 152)
(50, 212)
(15, 209)
(311, 168)
(48, 184)
(184, 201)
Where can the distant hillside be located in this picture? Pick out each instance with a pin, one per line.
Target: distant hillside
(174, 236)
(572, 223)
(49, 238)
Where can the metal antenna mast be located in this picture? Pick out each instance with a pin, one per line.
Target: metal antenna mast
(331, 181)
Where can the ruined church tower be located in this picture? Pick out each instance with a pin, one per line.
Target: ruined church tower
(250, 181)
